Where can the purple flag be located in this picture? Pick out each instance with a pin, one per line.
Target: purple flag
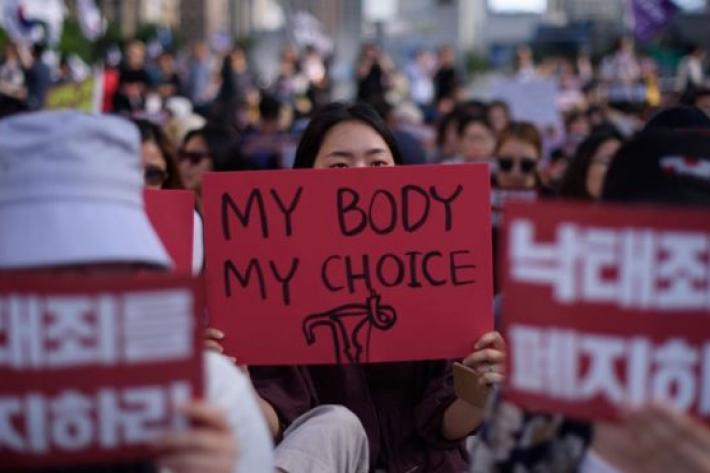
(650, 16)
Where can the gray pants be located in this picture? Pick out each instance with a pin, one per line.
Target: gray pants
(327, 439)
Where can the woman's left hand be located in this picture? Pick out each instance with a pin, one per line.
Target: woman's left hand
(208, 446)
(488, 359)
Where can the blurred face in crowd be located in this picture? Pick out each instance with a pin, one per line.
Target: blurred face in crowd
(703, 103)
(451, 144)
(498, 117)
(477, 142)
(239, 60)
(517, 165)
(446, 56)
(579, 127)
(194, 160)
(135, 55)
(353, 144)
(599, 166)
(166, 63)
(154, 165)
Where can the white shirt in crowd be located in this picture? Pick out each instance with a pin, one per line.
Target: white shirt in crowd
(230, 389)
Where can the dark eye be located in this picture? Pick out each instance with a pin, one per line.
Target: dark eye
(338, 165)
(379, 163)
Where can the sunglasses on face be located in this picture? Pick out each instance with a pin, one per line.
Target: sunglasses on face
(154, 176)
(526, 165)
(194, 157)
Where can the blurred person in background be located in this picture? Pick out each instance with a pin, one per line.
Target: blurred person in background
(38, 76)
(525, 68)
(12, 77)
(586, 171)
(198, 75)
(421, 82)
(622, 73)
(134, 81)
(518, 155)
(158, 157)
(690, 75)
(397, 119)
(211, 148)
(160, 171)
(477, 140)
(373, 73)
(700, 98)
(499, 115)
(447, 137)
(446, 81)
(262, 146)
(315, 72)
(167, 81)
(577, 128)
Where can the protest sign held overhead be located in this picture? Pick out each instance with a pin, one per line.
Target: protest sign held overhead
(348, 266)
(172, 214)
(92, 370)
(621, 305)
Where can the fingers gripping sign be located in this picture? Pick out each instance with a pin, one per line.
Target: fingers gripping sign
(482, 369)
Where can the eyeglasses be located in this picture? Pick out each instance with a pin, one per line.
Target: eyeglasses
(195, 157)
(154, 176)
(526, 165)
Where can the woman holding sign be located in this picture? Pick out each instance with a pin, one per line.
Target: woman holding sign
(413, 419)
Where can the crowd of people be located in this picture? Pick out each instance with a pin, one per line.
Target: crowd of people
(184, 115)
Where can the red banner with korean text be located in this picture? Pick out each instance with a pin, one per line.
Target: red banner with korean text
(92, 369)
(607, 306)
(349, 265)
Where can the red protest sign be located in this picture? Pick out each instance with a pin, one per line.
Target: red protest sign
(91, 370)
(172, 213)
(605, 306)
(324, 266)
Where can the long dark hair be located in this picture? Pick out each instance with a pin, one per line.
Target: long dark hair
(574, 181)
(151, 132)
(223, 145)
(334, 114)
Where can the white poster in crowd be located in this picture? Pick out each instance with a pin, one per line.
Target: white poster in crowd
(32, 21)
(531, 100)
(91, 22)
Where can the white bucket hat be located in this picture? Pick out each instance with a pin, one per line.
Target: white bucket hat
(71, 192)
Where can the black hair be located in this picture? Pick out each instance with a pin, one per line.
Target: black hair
(574, 181)
(474, 107)
(679, 118)
(444, 123)
(152, 132)
(223, 146)
(637, 174)
(334, 114)
(269, 107)
(467, 119)
(11, 106)
(499, 103)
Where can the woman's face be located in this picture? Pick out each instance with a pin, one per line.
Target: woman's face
(517, 165)
(194, 160)
(155, 168)
(353, 145)
(477, 143)
(599, 166)
(499, 118)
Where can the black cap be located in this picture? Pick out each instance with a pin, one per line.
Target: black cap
(662, 166)
(679, 118)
